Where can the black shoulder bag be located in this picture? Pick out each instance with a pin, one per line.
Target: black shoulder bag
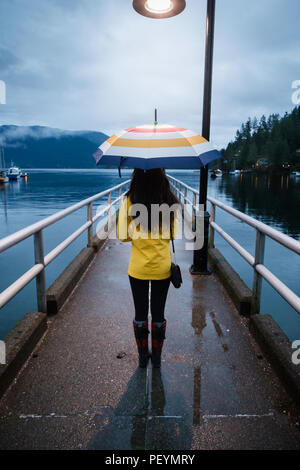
(176, 277)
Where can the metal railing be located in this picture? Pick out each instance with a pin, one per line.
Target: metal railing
(41, 260)
(262, 231)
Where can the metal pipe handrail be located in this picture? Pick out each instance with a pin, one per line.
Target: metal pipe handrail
(189, 188)
(41, 260)
(19, 284)
(244, 253)
(63, 245)
(256, 262)
(107, 208)
(26, 232)
(279, 286)
(186, 199)
(277, 236)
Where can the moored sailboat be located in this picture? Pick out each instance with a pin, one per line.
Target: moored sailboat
(3, 173)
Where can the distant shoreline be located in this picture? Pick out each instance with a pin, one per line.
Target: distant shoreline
(128, 170)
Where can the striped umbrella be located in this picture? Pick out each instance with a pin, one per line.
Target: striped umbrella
(156, 146)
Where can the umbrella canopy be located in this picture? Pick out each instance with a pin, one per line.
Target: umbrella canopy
(156, 146)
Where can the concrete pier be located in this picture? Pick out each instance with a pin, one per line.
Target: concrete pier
(82, 389)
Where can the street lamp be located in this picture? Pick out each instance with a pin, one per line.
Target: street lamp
(159, 8)
(166, 9)
(200, 257)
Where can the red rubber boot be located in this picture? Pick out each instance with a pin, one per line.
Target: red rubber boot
(141, 333)
(158, 337)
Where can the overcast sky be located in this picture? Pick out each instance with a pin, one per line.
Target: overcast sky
(98, 65)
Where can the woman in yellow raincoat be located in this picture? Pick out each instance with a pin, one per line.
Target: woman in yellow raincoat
(148, 219)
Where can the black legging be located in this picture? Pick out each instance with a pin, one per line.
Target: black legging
(140, 292)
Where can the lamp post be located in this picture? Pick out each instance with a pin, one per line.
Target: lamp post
(200, 256)
(166, 9)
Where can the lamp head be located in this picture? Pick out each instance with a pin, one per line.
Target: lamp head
(159, 8)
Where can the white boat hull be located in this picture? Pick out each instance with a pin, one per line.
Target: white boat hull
(13, 177)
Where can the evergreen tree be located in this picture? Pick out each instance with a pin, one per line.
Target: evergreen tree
(274, 138)
(252, 155)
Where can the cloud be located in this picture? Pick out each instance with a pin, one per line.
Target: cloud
(96, 64)
(7, 60)
(14, 135)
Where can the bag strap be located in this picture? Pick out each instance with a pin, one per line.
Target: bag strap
(172, 240)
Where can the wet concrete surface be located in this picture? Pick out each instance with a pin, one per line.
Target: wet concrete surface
(215, 389)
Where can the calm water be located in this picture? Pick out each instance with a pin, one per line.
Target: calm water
(274, 200)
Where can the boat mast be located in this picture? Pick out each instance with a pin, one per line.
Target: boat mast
(2, 157)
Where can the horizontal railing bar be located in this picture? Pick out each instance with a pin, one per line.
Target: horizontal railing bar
(186, 199)
(279, 237)
(21, 235)
(189, 202)
(106, 208)
(63, 245)
(99, 214)
(279, 286)
(287, 294)
(244, 253)
(115, 201)
(19, 284)
(193, 190)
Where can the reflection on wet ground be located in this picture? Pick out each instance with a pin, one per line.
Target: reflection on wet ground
(197, 396)
(139, 421)
(202, 385)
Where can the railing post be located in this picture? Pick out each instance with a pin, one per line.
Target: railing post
(120, 201)
(259, 259)
(211, 243)
(40, 278)
(194, 212)
(90, 229)
(109, 210)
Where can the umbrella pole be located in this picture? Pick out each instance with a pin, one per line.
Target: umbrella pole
(200, 257)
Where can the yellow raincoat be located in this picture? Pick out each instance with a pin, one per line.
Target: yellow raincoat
(150, 258)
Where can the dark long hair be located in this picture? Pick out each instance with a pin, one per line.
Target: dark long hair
(152, 187)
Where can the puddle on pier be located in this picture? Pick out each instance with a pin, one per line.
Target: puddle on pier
(160, 407)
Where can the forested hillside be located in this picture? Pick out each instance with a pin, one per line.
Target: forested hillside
(44, 147)
(270, 142)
